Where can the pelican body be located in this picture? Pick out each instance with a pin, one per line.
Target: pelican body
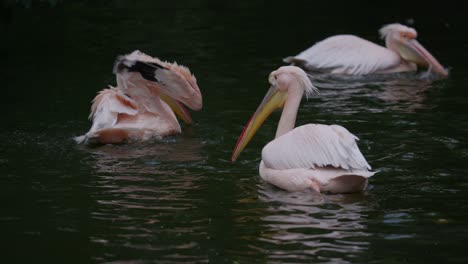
(144, 104)
(324, 158)
(352, 55)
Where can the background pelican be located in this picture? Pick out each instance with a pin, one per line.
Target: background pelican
(148, 93)
(324, 158)
(352, 55)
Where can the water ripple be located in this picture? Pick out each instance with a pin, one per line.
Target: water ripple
(321, 225)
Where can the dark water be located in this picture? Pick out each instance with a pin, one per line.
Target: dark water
(182, 200)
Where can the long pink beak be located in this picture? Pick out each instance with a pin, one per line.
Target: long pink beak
(415, 52)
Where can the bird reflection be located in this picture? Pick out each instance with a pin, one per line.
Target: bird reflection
(146, 157)
(407, 93)
(140, 189)
(320, 226)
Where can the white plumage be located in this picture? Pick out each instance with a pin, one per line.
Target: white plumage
(387, 30)
(324, 158)
(107, 105)
(347, 54)
(144, 104)
(327, 156)
(352, 55)
(313, 146)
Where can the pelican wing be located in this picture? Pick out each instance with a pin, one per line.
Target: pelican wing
(172, 79)
(346, 54)
(315, 146)
(154, 70)
(106, 107)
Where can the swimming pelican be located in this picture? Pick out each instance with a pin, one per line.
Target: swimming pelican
(352, 55)
(324, 158)
(148, 93)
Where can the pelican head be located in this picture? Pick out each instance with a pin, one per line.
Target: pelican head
(402, 40)
(174, 83)
(287, 82)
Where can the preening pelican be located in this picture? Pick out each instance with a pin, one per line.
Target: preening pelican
(320, 157)
(352, 55)
(148, 93)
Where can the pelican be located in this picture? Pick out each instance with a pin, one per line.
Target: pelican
(324, 158)
(148, 96)
(352, 55)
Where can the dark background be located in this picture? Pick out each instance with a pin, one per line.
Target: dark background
(182, 200)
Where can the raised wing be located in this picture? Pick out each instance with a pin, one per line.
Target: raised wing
(172, 79)
(106, 107)
(313, 146)
(346, 54)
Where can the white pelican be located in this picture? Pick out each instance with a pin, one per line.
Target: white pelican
(352, 55)
(142, 105)
(319, 157)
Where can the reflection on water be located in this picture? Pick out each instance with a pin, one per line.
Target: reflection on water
(145, 157)
(149, 200)
(144, 194)
(402, 92)
(305, 225)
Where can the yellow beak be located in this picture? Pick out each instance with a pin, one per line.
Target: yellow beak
(273, 100)
(178, 108)
(411, 50)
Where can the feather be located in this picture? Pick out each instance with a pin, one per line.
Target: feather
(315, 146)
(150, 67)
(106, 107)
(170, 78)
(390, 28)
(347, 54)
